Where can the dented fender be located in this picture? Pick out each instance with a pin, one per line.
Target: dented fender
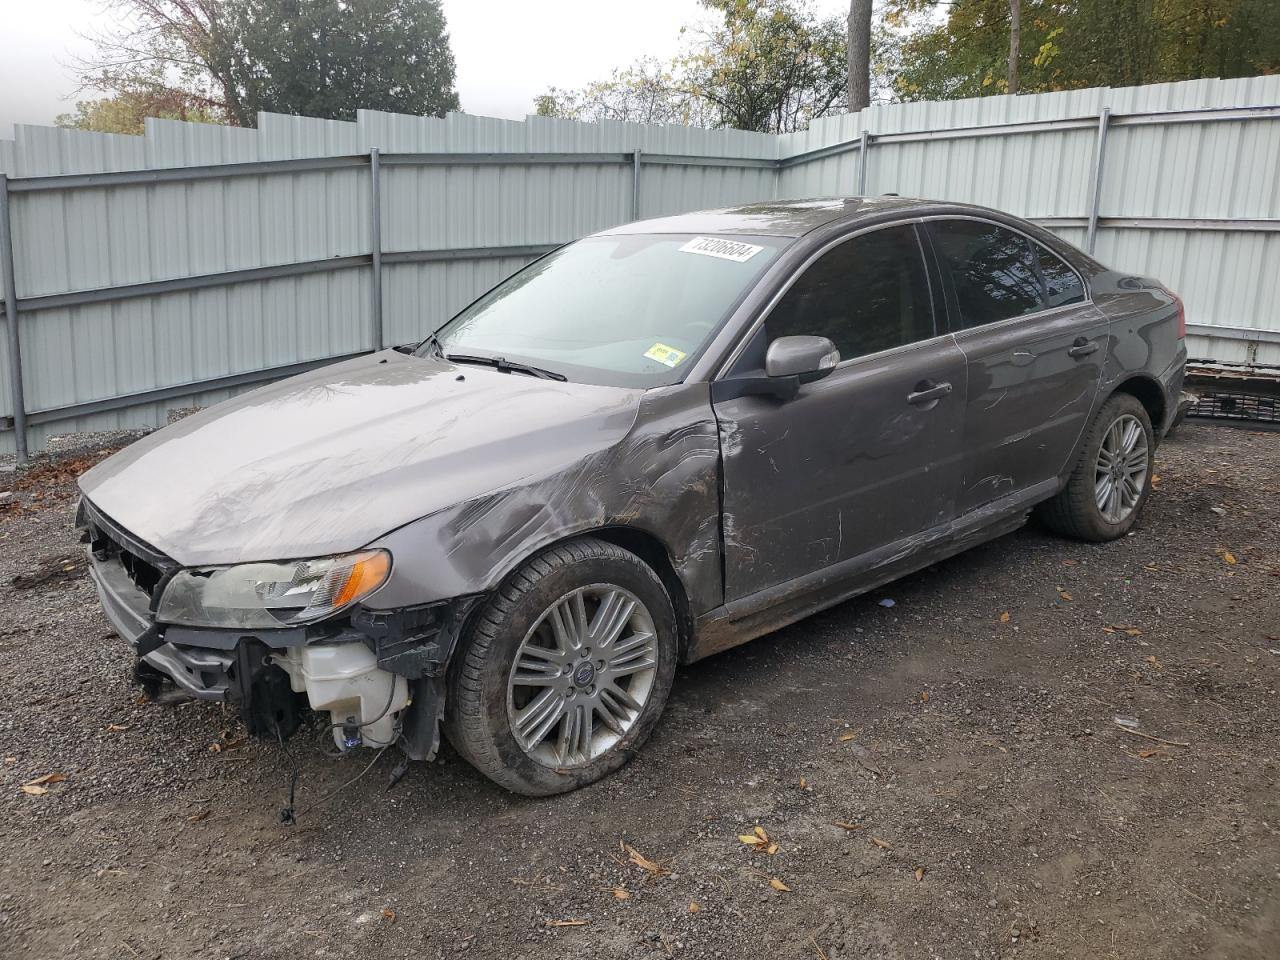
(661, 479)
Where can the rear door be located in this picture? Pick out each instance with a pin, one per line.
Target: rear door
(867, 456)
(1034, 346)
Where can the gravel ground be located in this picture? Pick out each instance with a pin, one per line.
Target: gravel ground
(945, 777)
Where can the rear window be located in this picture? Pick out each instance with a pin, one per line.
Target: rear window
(998, 274)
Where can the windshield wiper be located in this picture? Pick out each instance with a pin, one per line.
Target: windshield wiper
(503, 364)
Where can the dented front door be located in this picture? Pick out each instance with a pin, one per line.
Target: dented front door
(855, 462)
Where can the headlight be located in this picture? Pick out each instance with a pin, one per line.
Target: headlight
(259, 596)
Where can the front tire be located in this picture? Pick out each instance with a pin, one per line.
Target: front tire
(1112, 479)
(564, 672)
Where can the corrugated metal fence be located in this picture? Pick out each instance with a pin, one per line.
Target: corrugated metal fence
(172, 269)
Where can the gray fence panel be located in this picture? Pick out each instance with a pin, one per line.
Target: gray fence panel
(250, 268)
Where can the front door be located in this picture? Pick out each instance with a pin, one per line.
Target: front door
(866, 457)
(1035, 348)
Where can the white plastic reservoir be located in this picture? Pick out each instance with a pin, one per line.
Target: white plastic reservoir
(345, 680)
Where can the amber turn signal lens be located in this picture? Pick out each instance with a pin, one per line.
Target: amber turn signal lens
(367, 574)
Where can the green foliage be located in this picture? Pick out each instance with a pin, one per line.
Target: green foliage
(1082, 43)
(229, 59)
(329, 58)
(766, 65)
(648, 91)
(126, 113)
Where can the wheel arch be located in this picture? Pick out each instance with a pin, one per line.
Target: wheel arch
(650, 549)
(1150, 394)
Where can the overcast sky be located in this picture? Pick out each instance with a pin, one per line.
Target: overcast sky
(507, 51)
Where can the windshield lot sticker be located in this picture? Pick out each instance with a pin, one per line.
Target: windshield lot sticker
(722, 248)
(668, 356)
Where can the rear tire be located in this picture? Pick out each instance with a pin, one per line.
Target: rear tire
(563, 673)
(1112, 477)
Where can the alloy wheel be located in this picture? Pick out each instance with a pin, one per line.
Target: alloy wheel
(582, 675)
(1120, 474)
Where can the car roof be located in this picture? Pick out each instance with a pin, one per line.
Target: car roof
(776, 218)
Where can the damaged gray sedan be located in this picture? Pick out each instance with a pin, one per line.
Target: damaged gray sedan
(644, 448)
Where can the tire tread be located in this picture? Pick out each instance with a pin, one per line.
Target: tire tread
(467, 712)
(1072, 512)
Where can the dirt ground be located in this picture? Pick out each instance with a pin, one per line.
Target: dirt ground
(1042, 749)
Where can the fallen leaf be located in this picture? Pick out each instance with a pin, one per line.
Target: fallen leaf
(641, 861)
(924, 697)
(1155, 664)
(388, 914)
(919, 874)
(1065, 596)
(197, 817)
(1146, 754)
(1230, 557)
(10, 759)
(47, 778)
(759, 840)
(34, 791)
(779, 885)
(845, 826)
(694, 908)
(567, 923)
(1004, 617)
(117, 727)
(882, 844)
(847, 737)
(803, 784)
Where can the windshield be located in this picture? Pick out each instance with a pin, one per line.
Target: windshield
(632, 310)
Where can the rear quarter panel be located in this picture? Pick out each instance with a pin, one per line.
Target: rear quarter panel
(1143, 318)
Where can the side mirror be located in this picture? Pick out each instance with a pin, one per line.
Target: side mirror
(807, 358)
(789, 362)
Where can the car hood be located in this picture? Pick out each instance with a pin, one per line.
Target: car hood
(330, 460)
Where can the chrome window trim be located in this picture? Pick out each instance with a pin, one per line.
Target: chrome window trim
(1084, 285)
(901, 348)
(962, 335)
(726, 365)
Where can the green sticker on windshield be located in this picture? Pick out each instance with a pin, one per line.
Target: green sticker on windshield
(668, 356)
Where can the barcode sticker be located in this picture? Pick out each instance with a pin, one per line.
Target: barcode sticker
(734, 250)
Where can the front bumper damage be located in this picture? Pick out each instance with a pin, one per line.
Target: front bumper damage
(379, 674)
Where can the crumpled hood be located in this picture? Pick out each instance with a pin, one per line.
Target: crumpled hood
(330, 460)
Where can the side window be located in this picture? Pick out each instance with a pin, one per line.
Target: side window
(868, 294)
(1062, 285)
(993, 270)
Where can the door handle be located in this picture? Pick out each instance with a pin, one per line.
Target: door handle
(1082, 347)
(927, 391)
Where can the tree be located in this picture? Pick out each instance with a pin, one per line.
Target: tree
(859, 54)
(127, 113)
(767, 65)
(1015, 40)
(330, 58)
(646, 92)
(1070, 44)
(230, 59)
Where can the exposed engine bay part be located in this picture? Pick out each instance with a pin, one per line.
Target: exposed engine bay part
(364, 702)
